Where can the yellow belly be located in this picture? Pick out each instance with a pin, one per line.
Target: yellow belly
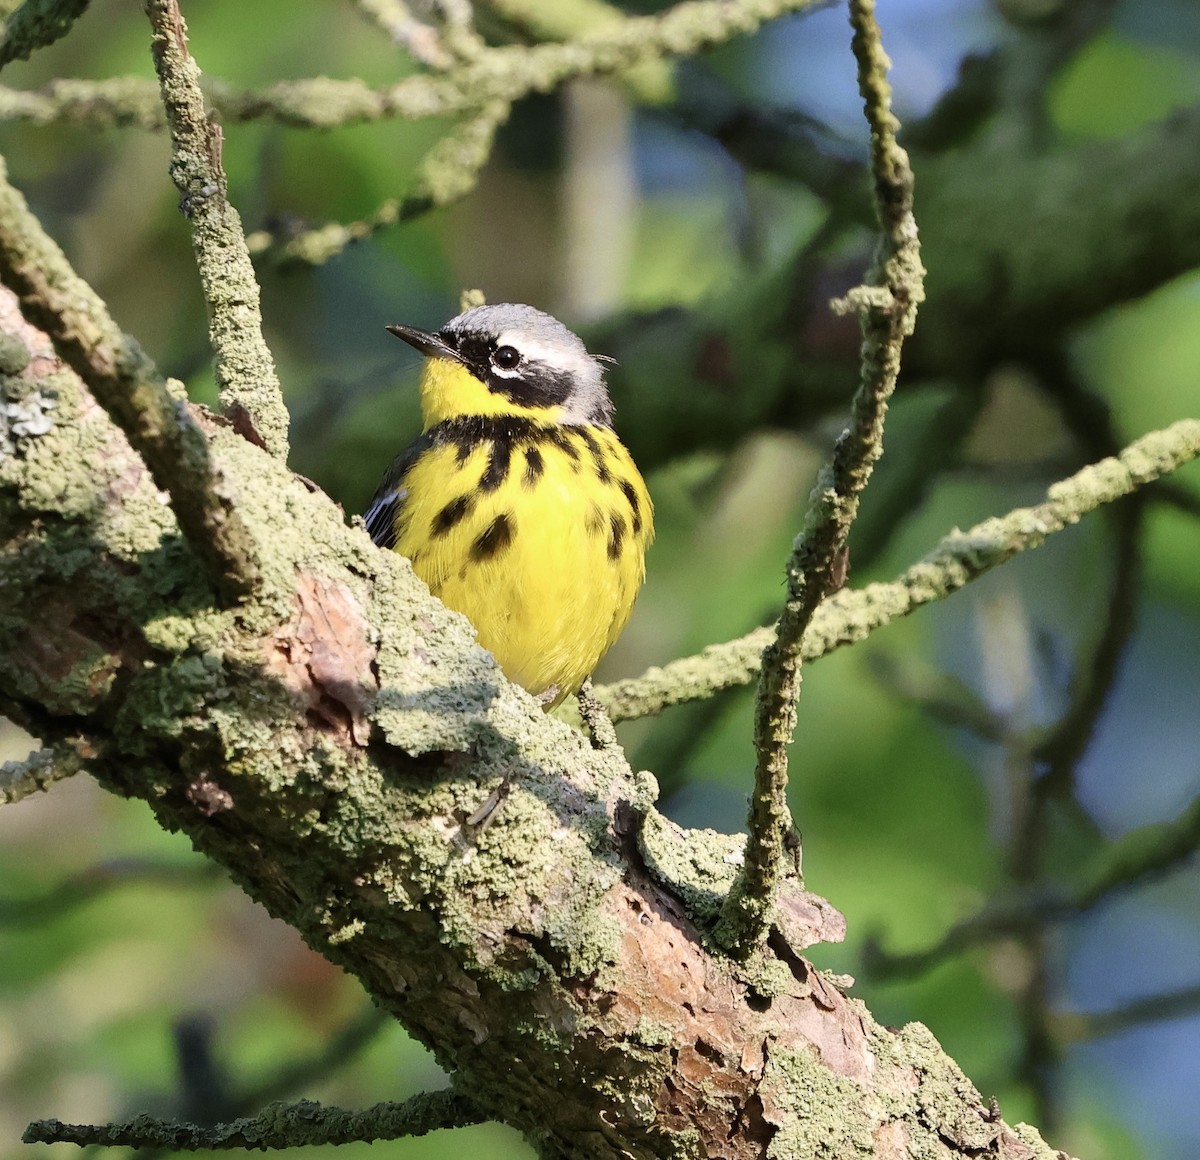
(546, 565)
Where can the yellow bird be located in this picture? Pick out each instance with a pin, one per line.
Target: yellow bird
(517, 504)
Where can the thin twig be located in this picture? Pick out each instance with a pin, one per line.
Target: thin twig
(458, 30)
(595, 719)
(1089, 420)
(247, 382)
(205, 1094)
(127, 385)
(278, 1126)
(887, 309)
(36, 24)
(98, 880)
(447, 173)
(40, 770)
(852, 615)
(1135, 859)
(1077, 1028)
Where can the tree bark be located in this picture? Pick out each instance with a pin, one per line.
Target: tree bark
(342, 746)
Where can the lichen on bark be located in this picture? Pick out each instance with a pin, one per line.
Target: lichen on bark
(343, 747)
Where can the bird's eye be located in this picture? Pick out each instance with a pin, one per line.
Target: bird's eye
(507, 357)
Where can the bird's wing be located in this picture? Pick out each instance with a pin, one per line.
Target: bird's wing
(380, 516)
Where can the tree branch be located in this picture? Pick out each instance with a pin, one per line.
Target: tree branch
(447, 173)
(498, 74)
(423, 42)
(96, 881)
(127, 385)
(36, 24)
(888, 310)
(278, 1126)
(247, 383)
(332, 745)
(38, 772)
(1136, 858)
(1088, 1025)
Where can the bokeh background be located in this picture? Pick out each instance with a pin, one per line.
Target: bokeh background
(697, 239)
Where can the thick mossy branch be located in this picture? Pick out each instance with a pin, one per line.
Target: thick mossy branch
(36, 24)
(345, 750)
(888, 312)
(127, 385)
(279, 1126)
(852, 615)
(247, 383)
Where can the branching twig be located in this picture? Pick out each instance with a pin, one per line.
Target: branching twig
(498, 74)
(458, 30)
(448, 173)
(278, 1126)
(246, 379)
(888, 313)
(959, 558)
(127, 385)
(36, 24)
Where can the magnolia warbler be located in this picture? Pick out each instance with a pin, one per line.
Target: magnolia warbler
(517, 504)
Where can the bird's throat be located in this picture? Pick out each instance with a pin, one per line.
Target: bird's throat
(450, 390)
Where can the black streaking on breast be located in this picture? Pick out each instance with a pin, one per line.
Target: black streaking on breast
(533, 467)
(634, 507)
(455, 511)
(563, 441)
(495, 538)
(499, 457)
(593, 445)
(617, 524)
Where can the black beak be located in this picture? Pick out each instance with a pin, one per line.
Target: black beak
(426, 341)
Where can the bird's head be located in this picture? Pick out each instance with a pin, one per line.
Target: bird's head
(508, 360)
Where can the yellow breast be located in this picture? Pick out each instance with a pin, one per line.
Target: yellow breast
(536, 532)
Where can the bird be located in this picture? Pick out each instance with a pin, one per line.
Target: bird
(517, 504)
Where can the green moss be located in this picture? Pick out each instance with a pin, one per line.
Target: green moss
(14, 354)
(821, 1114)
(697, 866)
